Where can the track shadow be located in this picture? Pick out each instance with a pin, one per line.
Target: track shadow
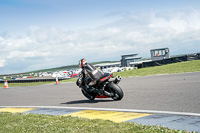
(86, 101)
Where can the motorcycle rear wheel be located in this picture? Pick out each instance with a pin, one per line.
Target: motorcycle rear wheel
(88, 95)
(116, 90)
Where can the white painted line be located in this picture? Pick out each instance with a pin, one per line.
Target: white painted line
(109, 109)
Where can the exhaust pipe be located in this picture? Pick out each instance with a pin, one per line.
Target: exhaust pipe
(117, 79)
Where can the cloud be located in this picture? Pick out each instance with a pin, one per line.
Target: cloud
(2, 62)
(45, 47)
(26, 54)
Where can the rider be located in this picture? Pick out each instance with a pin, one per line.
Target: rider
(90, 75)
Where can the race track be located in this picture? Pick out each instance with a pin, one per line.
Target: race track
(177, 93)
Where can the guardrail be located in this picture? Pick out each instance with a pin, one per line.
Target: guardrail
(32, 80)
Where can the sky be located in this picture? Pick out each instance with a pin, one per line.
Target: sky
(40, 34)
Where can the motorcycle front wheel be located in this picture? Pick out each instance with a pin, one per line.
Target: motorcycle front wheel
(88, 95)
(116, 90)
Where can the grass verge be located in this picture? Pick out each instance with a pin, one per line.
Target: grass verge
(181, 67)
(15, 123)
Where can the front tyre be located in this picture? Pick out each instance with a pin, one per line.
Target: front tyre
(116, 90)
(88, 95)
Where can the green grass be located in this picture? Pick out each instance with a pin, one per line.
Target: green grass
(34, 123)
(181, 67)
(13, 123)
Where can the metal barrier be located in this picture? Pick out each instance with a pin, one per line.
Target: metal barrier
(32, 80)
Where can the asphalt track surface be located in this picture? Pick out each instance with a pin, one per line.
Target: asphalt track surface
(175, 92)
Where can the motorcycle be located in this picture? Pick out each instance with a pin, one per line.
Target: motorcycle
(105, 87)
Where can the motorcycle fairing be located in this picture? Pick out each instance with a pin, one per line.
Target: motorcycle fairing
(104, 96)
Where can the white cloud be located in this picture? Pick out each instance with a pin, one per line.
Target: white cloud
(178, 25)
(26, 54)
(113, 30)
(2, 62)
(131, 33)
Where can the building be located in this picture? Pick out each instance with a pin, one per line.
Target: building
(108, 65)
(129, 58)
(159, 54)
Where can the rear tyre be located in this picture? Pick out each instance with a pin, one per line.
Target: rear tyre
(88, 95)
(116, 90)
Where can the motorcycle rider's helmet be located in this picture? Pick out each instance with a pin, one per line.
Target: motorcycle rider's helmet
(82, 63)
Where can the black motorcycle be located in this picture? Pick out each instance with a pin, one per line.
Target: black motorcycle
(105, 87)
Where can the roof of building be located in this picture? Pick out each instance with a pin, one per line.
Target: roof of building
(108, 64)
(129, 58)
(129, 54)
(159, 49)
